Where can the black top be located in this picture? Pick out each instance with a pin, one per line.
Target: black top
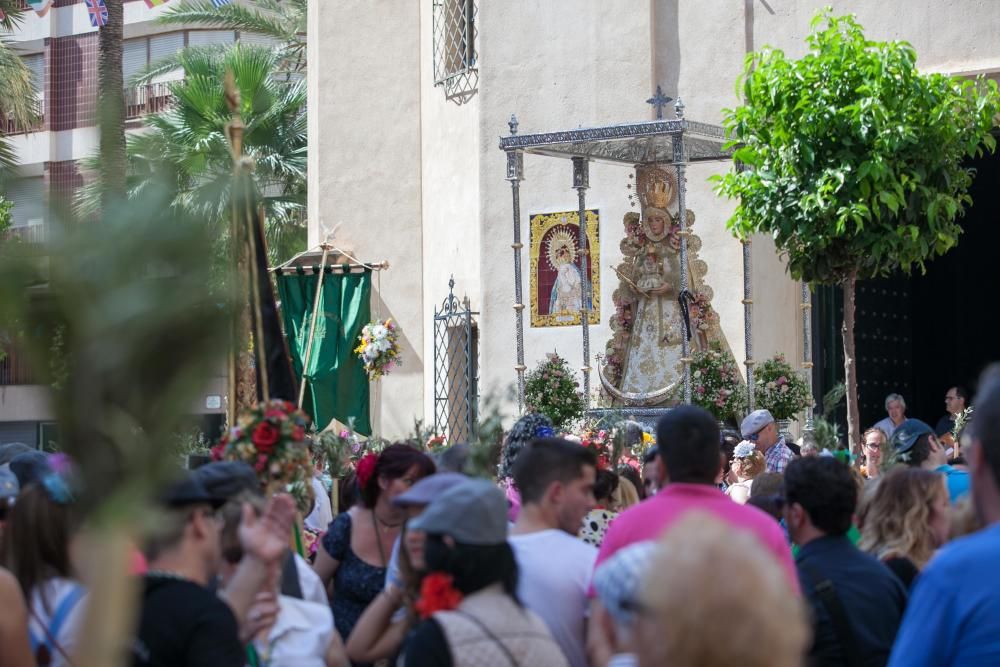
(355, 583)
(184, 624)
(873, 599)
(426, 647)
(904, 569)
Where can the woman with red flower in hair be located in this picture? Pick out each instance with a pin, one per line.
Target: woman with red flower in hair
(357, 545)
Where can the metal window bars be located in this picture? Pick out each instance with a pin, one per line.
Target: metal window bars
(456, 381)
(454, 48)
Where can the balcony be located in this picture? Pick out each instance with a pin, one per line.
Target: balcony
(27, 234)
(144, 100)
(14, 368)
(9, 127)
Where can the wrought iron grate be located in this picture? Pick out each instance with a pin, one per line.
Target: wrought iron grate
(454, 44)
(456, 382)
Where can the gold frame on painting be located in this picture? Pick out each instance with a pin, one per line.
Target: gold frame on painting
(539, 226)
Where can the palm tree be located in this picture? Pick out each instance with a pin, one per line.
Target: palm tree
(283, 21)
(111, 88)
(186, 145)
(18, 104)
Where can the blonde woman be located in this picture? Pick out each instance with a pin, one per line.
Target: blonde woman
(904, 519)
(748, 462)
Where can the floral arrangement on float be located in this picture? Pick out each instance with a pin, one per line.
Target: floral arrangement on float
(779, 389)
(379, 348)
(716, 383)
(552, 390)
(609, 439)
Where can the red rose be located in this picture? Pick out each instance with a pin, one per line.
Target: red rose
(365, 469)
(265, 437)
(218, 451)
(298, 433)
(437, 594)
(261, 463)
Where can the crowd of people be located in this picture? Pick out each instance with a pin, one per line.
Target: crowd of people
(715, 548)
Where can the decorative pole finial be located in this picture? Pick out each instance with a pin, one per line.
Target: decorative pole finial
(512, 124)
(679, 108)
(451, 284)
(658, 101)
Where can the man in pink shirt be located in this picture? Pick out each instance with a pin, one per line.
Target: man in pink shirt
(687, 439)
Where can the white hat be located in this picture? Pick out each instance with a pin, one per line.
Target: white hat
(755, 421)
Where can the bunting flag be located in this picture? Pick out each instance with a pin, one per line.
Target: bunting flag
(155, 3)
(41, 7)
(98, 13)
(219, 3)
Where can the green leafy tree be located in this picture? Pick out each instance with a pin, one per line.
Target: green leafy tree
(17, 101)
(187, 146)
(856, 161)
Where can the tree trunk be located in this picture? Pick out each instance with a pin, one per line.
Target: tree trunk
(850, 366)
(112, 105)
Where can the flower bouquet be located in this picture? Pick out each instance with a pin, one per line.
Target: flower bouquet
(379, 348)
(779, 389)
(271, 438)
(716, 384)
(551, 390)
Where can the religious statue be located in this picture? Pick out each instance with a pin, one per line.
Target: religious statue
(643, 362)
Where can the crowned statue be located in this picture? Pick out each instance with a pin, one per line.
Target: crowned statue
(643, 363)
(567, 291)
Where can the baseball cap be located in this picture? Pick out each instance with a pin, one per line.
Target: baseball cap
(754, 422)
(11, 449)
(190, 491)
(226, 479)
(9, 487)
(907, 434)
(473, 512)
(30, 467)
(429, 488)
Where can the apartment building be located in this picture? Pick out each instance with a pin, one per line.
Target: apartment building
(60, 47)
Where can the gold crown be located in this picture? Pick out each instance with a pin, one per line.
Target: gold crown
(562, 249)
(657, 194)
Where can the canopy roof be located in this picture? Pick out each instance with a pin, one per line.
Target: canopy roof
(649, 142)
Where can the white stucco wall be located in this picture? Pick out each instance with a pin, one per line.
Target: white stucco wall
(365, 168)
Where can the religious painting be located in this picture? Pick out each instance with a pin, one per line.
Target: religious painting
(556, 280)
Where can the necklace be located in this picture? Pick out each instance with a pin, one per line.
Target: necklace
(378, 535)
(385, 524)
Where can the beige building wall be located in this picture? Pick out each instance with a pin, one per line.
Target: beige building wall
(400, 168)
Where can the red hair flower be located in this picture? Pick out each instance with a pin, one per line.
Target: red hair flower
(437, 594)
(365, 469)
(265, 437)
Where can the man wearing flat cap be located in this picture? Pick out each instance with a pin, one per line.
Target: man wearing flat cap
(760, 428)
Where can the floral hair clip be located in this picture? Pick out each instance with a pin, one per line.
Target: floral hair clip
(744, 449)
(366, 468)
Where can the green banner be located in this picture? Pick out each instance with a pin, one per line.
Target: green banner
(336, 382)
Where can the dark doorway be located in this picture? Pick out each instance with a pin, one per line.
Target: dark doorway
(919, 335)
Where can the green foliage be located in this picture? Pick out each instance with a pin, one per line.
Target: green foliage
(186, 146)
(778, 388)
(552, 390)
(139, 335)
(6, 218)
(17, 101)
(826, 432)
(855, 157)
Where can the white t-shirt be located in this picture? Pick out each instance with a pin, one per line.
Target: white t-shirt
(553, 579)
(322, 512)
(46, 600)
(301, 634)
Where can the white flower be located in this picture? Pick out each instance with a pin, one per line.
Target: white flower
(744, 449)
(379, 332)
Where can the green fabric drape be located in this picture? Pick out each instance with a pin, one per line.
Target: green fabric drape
(336, 383)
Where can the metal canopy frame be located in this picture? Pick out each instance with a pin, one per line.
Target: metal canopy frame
(676, 143)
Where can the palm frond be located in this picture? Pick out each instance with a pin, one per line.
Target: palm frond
(18, 101)
(285, 21)
(13, 14)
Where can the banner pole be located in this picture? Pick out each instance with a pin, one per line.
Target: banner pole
(312, 324)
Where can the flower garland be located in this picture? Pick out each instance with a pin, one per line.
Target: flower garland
(716, 384)
(551, 390)
(779, 389)
(271, 438)
(379, 348)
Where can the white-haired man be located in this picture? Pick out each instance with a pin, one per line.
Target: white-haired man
(895, 406)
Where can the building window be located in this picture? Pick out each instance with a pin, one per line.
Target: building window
(454, 44)
(28, 197)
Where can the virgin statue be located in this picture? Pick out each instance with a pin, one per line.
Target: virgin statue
(643, 361)
(567, 291)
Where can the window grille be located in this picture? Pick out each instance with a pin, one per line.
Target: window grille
(454, 43)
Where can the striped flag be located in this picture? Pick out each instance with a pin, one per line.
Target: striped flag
(154, 3)
(219, 3)
(41, 7)
(98, 12)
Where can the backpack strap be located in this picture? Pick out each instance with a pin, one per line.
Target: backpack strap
(496, 640)
(828, 597)
(55, 624)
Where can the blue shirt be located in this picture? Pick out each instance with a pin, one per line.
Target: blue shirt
(954, 614)
(872, 596)
(957, 481)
